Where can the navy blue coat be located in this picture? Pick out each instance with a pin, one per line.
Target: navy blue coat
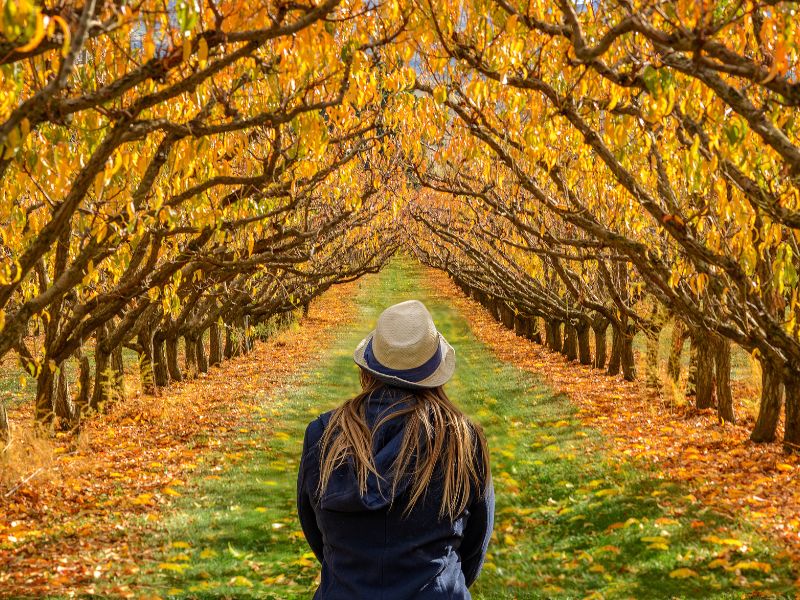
(368, 549)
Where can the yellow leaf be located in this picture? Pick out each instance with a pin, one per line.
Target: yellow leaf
(208, 553)
(597, 569)
(655, 540)
(187, 48)
(170, 492)
(202, 51)
(683, 573)
(181, 545)
(657, 546)
(143, 499)
(718, 562)
(780, 466)
(38, 35)
(173, 567)
(241, 581)
(752, 565)
(65, 30)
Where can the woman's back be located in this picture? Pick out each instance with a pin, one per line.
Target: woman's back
(394, 490)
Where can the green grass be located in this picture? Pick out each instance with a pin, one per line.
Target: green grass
(570, 518)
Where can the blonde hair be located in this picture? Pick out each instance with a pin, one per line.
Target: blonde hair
(437, 434)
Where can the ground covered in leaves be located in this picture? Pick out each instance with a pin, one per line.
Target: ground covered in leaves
(589, 502)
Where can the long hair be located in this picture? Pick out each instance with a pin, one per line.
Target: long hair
(439, 440)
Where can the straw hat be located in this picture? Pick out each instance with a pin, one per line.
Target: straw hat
(405, 349)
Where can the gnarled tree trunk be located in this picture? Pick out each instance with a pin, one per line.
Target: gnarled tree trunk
(84, 384)
(190, 355)
(146, 369)
(791, 438)
(615, 361)
(118, 368)
(769, 409)
(174, 369)
(584, 344)
(215, 344)
(722, 359)
(63, 407)
(43, 407)
(600, 329)
(627, 358)
(570, 348)
(160, 368)
(200, 353)
(556, 341)
(705, 369)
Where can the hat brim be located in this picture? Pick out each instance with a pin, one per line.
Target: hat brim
(440, 376)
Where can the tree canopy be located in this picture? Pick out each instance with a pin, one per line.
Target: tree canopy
(170, 167)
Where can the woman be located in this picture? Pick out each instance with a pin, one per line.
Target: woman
(394, 491)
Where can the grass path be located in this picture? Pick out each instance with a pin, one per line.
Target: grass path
(572, 522)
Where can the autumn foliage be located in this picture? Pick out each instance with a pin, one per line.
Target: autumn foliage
(179, 178)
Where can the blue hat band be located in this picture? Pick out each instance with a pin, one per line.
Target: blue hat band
(414, 375)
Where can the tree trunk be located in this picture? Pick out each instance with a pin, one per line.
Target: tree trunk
(102, 378)
(535, 334)
(174, 369)
(652, 375)
(791, 437)
(160, 368)
(231, 344)
(43, 407)
(557, 343)
(691, 376)
(615, 361)
(722, 361)
(84, 384)
(190, 356)
(627, 357)
(146, 370)
(675, 350)
(215, 344)
(506, 316)
(63, 407)
(5, 428)
(118, 366)
(570, 348)
(600, 328)
(200, 352)
(769, 409)
(704, 378)
(248, 339)
(584, 345)
(521, 326)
